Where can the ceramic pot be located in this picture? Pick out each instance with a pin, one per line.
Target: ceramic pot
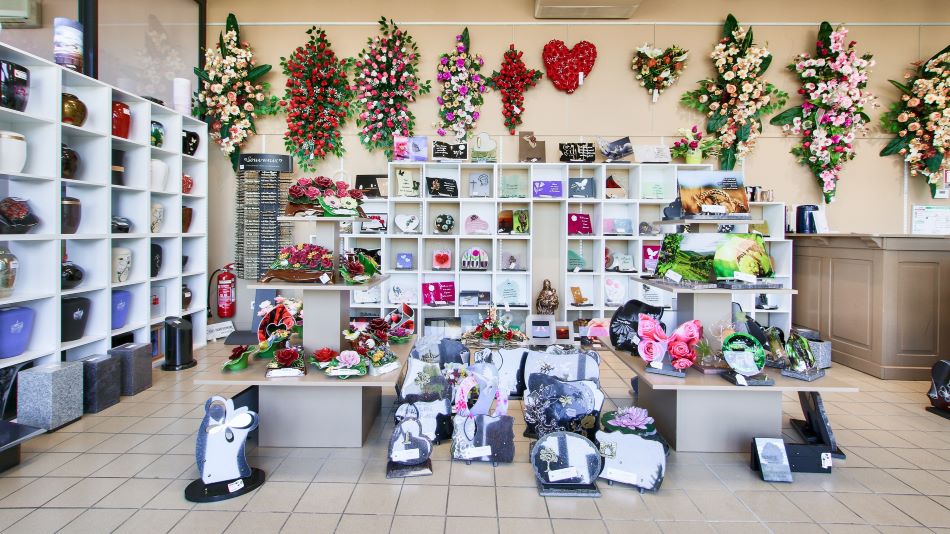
(121, 225)
(14, 86)
(72, 215)
(74, 111)
(118, 167)
(158, 134)
(121, 265)
(72, 275)
(186, 216)
(158, 255)
(16, 216)
(121, 119)
(694, 157)
(159, 174)
(186, 296)
(157, 219)
(12, 152)
(186, 184)
(70, 161)
(189, 142)
(8, 269)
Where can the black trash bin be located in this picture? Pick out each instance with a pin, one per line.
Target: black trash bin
(178, 344)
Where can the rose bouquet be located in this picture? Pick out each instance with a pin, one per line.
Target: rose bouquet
(317, 98)
(513, 80)
(834, 85)
(462, 88)
(358, 268)
(921, 120)
(230, 94)
(324, 197)
(493, 330)
(629, 420)
(346, 364)
(289, 358)
(655, 345)
(657, 69)
(323, 356)
(694, 147)
(738, 96)
(304, 257)
(386, 81)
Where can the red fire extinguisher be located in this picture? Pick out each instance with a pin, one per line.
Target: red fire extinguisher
(227, 291)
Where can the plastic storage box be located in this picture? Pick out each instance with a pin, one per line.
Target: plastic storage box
(16, 325)
(121, 302)
(75, 315)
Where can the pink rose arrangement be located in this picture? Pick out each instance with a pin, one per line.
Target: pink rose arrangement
(311, 190)
(348, 358)
(346, 364)
(462, 89)
(693, 141)
(834, 89)
(305, 257)
(655, 345)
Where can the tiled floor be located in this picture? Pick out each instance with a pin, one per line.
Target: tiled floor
(126, 468)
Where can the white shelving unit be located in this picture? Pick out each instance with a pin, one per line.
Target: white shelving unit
(649, 188)
(40, 251)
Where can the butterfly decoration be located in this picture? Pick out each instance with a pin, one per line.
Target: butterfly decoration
(655, 345)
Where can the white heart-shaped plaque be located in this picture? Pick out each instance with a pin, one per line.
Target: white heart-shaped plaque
(408, 224)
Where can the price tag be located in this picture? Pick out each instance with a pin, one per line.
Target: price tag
(324, 278)
(740, 380)
(477, 452)
(562, 474)
(826, 460)
(570, 412)
(580, 78)
(283, 373)
(236, 485)
(577, 269)
(656, 96)
(744, 277)
(516, 110)
(612, 473)
(713, 208)
(674, 276)
(344, 372)
(406, 454)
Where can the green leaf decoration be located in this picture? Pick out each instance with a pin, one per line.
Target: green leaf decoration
(715, 122)
(933, 163)
(824, 32)
(787, 116)
(730, 26)
(743, 133)
(895, 146)
(766, 61)
(466, 41)
(903, 88)
(727, 159)
(257, 72)
(232, 25)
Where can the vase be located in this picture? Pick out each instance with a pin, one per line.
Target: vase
(8, 269)
(74, 111)
(12, 152)
(158, 254)
(16, 216)
(118, 167)
(186, 297)
(189, 142)
(69, 160)
(71, 215)
(121, 120)
(157, 137)
(121, 265)
(694, 157)
(121, 225)
(157, 218)
(72, 275)
(187, 183)
(186, 216)
(14, 86)
(184, 261)
(159, 174)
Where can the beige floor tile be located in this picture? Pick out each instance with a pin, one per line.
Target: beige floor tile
(822, 508)
(172, 497)
(772, 506)
(923, 459)
(882, 458)
(85, 493)
(151, 521)
(423, 500)
(572, 508)
(521, 525)
(126, 465)
(885, 438)
(441, 473)
(171, 466)
(795, 528)
(521, 502)
(203, 521)
(37, 493)
(720, 506)
(37, 465)
(574, 526)
(81, 442)
(133, 493)
(903, 530)
(926, 511)
(311, 524)
(849, 529)
(626, 527)
(409, 524)
(375, 473)
(685, 527)
(877, 480)
(115, 424)
(476, 474)
(472, 501)
(621, 503)
(258, 523)
(296, 470)
(325, 498)
(119, 443)
(94, 521)
(468, 525)
(83, 465)
(44, 442)
(671, 505)
(340, 471)
(699, 477)
(157, 444)
(374, 499)
(362, 524)
(46, 520)
(519, 474)
(922, 481)
(874, 510)
(736, 478)
(149, 425)
(10, 484)
(12, 515)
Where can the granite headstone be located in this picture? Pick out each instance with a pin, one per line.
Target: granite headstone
(49, 396)
(102, 382)
(136, 360)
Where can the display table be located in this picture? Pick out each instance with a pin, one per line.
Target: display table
(705, 413)
(882, 300)
(314, 410)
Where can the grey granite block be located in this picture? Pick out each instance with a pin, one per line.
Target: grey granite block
(49, 396)
(102, 382)
(136, 361)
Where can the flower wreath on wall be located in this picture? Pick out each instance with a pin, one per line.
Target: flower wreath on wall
(462, 88)
(318, 99)
(921, 120)
(230, 95)
(513, 80)
(658, 69)
(386, 81)
(738, 96)
(832, 115)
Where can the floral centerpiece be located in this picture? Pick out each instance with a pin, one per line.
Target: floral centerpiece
(358, 268)
(287, 362)
(462, 88)
(386, 81)
(494, 330)
(230, 94)
(372, 342)
(323, 356)
(346, 364)
(738, 96)
(323, 197)
(658, 69)
(629, 420)
(513, 80)
(921, 120)
(693, 147)
(834, 84)
(654, 344)
(399, 335)
(317, 98)
(302, 263)
(238, 359)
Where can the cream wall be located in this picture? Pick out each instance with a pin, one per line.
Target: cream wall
(610, 103)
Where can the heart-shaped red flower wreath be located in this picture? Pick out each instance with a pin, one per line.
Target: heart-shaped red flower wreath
(565, 65)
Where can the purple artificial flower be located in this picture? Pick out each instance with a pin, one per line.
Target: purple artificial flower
(459, 62)
(450, 116)
(440, 131)
(439, 100)
(444, 60)
(460, 48)
(477, 79)
(475, 116)
(463, 90)
(633, 418)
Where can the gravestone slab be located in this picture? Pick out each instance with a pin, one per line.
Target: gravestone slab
(136, 360)
(566, 465)
(50, 396)
(102, 382)
(631, 459)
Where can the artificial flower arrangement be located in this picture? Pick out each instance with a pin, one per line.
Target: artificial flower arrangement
(629, 420)
(317, 98)
(494, 330)
(293, 305)
(654, 344)
(399, 335)
(371, 342)
(834, 84)
(565, 67)
(694, 147)
(323, 356)
(238, 359)
(302, 263)
(658, 69)
(512, 81)
(738, 96)
(462, 88)
(358, 268)
(323, 197)
(386, 81)
(346, 364)
(230, 95)
(921, 120)
(287, 362)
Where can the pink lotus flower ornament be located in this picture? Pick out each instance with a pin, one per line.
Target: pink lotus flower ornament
(632, 417)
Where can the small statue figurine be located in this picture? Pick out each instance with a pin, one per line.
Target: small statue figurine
(548, 300)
